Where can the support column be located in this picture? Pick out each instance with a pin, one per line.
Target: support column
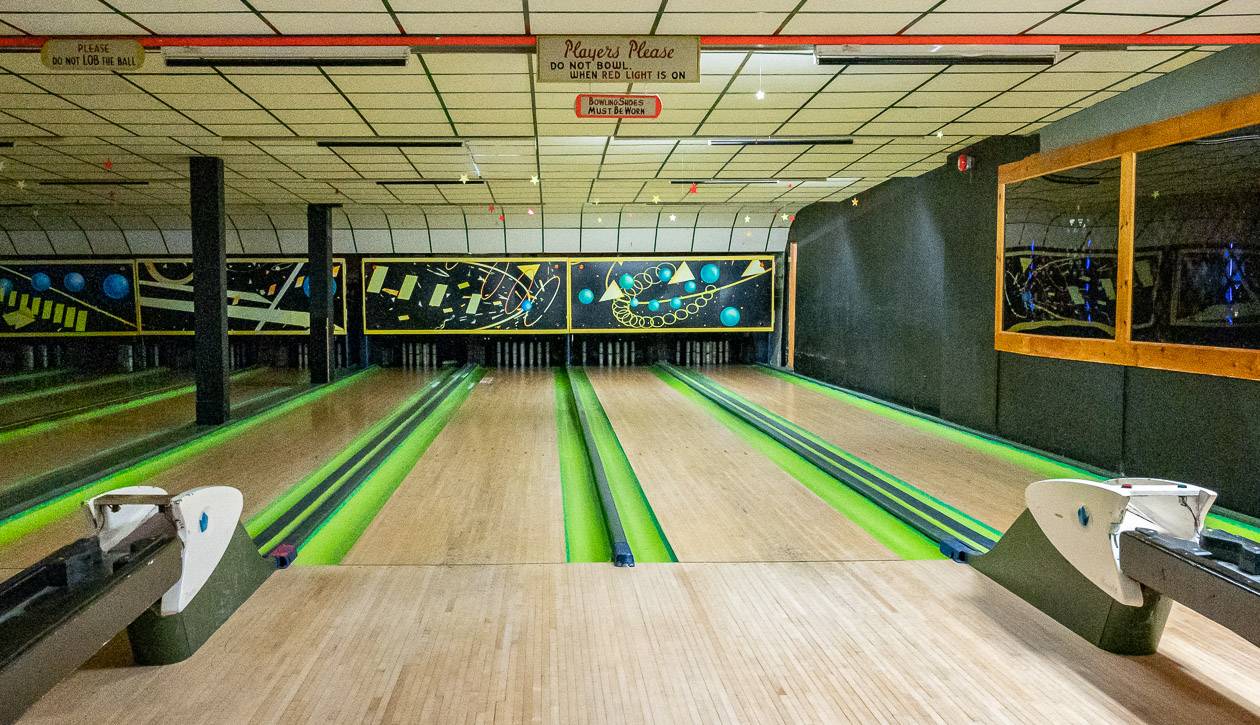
(319, 275)
(209, 250)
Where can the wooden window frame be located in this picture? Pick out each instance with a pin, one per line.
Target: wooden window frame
(1125, 146)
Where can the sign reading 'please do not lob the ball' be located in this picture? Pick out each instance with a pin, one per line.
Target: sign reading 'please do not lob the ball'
(619, 58)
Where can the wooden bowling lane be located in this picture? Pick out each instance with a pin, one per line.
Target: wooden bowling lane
(982, 485)
(83, 392)
(488, 488)
(716, 498)
(262, 461)
(69, 443)
(834, 642)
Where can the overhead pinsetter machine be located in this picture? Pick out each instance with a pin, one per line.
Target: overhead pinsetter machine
(168, 569)
(1108, 558)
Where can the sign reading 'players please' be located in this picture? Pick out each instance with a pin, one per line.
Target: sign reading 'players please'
(619, 58)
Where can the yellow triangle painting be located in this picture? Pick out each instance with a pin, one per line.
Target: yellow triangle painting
(612, 293)
(682, 274)
(529, 270)
(754, 269)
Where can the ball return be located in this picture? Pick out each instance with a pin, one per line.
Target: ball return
(1108, 558)
(169, 569)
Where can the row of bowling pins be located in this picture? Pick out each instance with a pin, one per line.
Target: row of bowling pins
(40, 357)
(522, 353)
(238, 357)
(610, 353)
(419, 355)
(138, 356)
(300, 355)
(702, 352)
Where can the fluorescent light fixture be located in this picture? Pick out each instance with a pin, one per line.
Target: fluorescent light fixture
(389, 144)
(429, 182)
(741, 182)
(781, 141)
(92, 182)
(935, 54)
(285, 56)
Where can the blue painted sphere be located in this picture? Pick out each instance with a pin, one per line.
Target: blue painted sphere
(586, 296)
(710, 273)
(729, 316)
(690, 286)
(654, 305)
(527, 305)
(634, 301)
(675, 303)
(306, 286)
(625, 280)
(665, 274)
(41, 281)
(74, 282)
(116, 286)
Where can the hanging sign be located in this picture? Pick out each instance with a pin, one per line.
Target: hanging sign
(92, 54)
(619, 58)
(616, 105)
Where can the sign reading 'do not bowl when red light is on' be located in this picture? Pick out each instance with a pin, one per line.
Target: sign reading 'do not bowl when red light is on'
(616, 105)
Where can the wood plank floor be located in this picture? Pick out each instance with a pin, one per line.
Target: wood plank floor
(262, 461)
(717, 498)
(488, 488)
(989, 488)
(836, 642)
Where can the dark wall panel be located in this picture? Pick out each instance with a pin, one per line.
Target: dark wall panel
(1071, 408)
(1196, 428)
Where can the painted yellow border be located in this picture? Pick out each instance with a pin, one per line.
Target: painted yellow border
(569, 262)
(1125, 145)
(345, 292)
(101, 260)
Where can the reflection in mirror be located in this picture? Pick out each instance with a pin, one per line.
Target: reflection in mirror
(1196, 220)
(1059, 275)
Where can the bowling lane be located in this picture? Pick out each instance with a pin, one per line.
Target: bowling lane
(985, 486)
(27, 456)
(716, 497)
(82, 393)
(262, 461)
(488, 488)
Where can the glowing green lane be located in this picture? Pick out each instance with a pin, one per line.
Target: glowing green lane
(585, 535)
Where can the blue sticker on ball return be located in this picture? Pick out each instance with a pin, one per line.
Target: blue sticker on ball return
(690, 286)
(665, 274)
(675, 303)
(115, 286)
(709, 273)
(654, 305)
(527, 305)
(74, 282)
(625, 280)
(586, 296)
(729, 316)
(40, 281)
(306, 286)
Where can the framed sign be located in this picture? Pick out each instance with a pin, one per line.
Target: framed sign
(616, 105)
(619, 58)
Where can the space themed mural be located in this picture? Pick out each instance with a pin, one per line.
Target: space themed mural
(67, 297)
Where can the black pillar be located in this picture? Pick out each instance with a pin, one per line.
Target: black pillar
(209, 249)
(319, 273)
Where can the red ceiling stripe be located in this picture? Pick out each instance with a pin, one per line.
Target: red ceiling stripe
(709, 41)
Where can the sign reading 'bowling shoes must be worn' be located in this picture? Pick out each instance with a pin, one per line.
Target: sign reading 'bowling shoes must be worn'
(616, 105)
(92, 54)
(619, 58)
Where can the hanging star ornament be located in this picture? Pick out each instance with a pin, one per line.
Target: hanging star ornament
(695, 188)
(492, 208)
(501, 217)
(534, 179)
(855, 201)
(109, 164)
(21, 184)
(463, 178)
(1155, 194)
(656, 198)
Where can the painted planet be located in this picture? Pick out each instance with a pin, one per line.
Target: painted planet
(41, 281)
(527, 305)
(690, 286)
(6, 286)
(709, 273)
(634, 301)
(729, 316)
(74, 282)
(306, 286)
(665, 274)
(625, 280)
(675, 303)
(586, 296)
(115, 286)
(654, 305)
